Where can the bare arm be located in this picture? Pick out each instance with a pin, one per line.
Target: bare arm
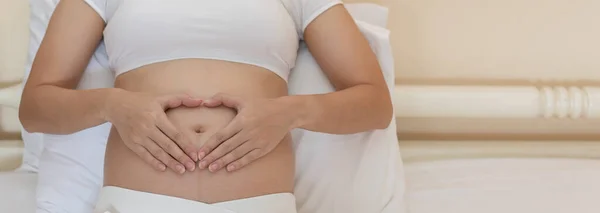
(49, 103)
(362, 101)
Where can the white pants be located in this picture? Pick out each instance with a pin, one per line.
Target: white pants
(120, 200)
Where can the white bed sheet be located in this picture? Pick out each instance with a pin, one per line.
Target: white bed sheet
(516, 185)
(504, 185)
(11, 153)
(17, 189)
(17, 192)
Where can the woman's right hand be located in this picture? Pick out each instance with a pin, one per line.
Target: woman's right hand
(143, 125)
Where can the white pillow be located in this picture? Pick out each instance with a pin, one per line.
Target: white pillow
(370, 13)
(374, 154)
(39, 16)
(70, 166)
(41, 10)
(96, 75)
(354, 173)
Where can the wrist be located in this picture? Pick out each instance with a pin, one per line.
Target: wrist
(298, 110)
(111, 97)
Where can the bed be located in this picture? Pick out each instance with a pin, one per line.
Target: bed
(497, 104)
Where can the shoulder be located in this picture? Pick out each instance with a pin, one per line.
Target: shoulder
(99, 6)
(305, 11)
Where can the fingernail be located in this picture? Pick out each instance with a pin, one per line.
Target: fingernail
(162, 167)
(190, 166)
(202, 164)
(193, 155)
(230, 168)
(213, 167)
(180, 169)
(201, 155)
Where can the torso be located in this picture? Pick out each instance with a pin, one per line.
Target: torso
(273, 173)
(201, 47)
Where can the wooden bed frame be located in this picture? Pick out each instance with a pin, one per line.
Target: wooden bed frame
(491, 112)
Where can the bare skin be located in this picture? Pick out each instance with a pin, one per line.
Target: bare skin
(145, 139)
(273, 173)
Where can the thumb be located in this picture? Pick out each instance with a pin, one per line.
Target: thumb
(172, 101)
(225, 100)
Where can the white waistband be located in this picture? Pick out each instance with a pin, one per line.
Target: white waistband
(120, 200)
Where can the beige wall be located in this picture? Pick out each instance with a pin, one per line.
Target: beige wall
(491, 39)
(500, 42)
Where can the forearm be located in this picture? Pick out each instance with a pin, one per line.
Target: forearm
(55, 110)
(356, 109)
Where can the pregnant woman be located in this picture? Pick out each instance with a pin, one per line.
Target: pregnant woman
(169, 57)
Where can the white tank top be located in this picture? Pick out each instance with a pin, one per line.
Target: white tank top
(264, 33)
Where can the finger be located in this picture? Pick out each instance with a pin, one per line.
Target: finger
(215, 140)
(253, 155)
(192, 102)
(163, 157)
(223, 99)
(172, 101)
(212, 102)
(164, 124)
(146, 156)
(232, 156)
(222, 150)
(172, 149)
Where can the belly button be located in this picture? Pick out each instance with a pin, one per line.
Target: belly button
(199, 130)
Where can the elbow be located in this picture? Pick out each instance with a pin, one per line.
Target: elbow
(26, 122)
(385, 113)
(27, 126)
(29, 113)
(387, 120)
(27, 119)
(386, 116)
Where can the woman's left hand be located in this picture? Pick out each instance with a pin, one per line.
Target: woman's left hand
(259, 126)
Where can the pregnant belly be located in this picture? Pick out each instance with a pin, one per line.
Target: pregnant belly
(272, 173)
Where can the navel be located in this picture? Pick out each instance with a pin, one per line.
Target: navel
(199, 130)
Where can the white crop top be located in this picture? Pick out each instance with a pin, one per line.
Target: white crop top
(265, 33)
